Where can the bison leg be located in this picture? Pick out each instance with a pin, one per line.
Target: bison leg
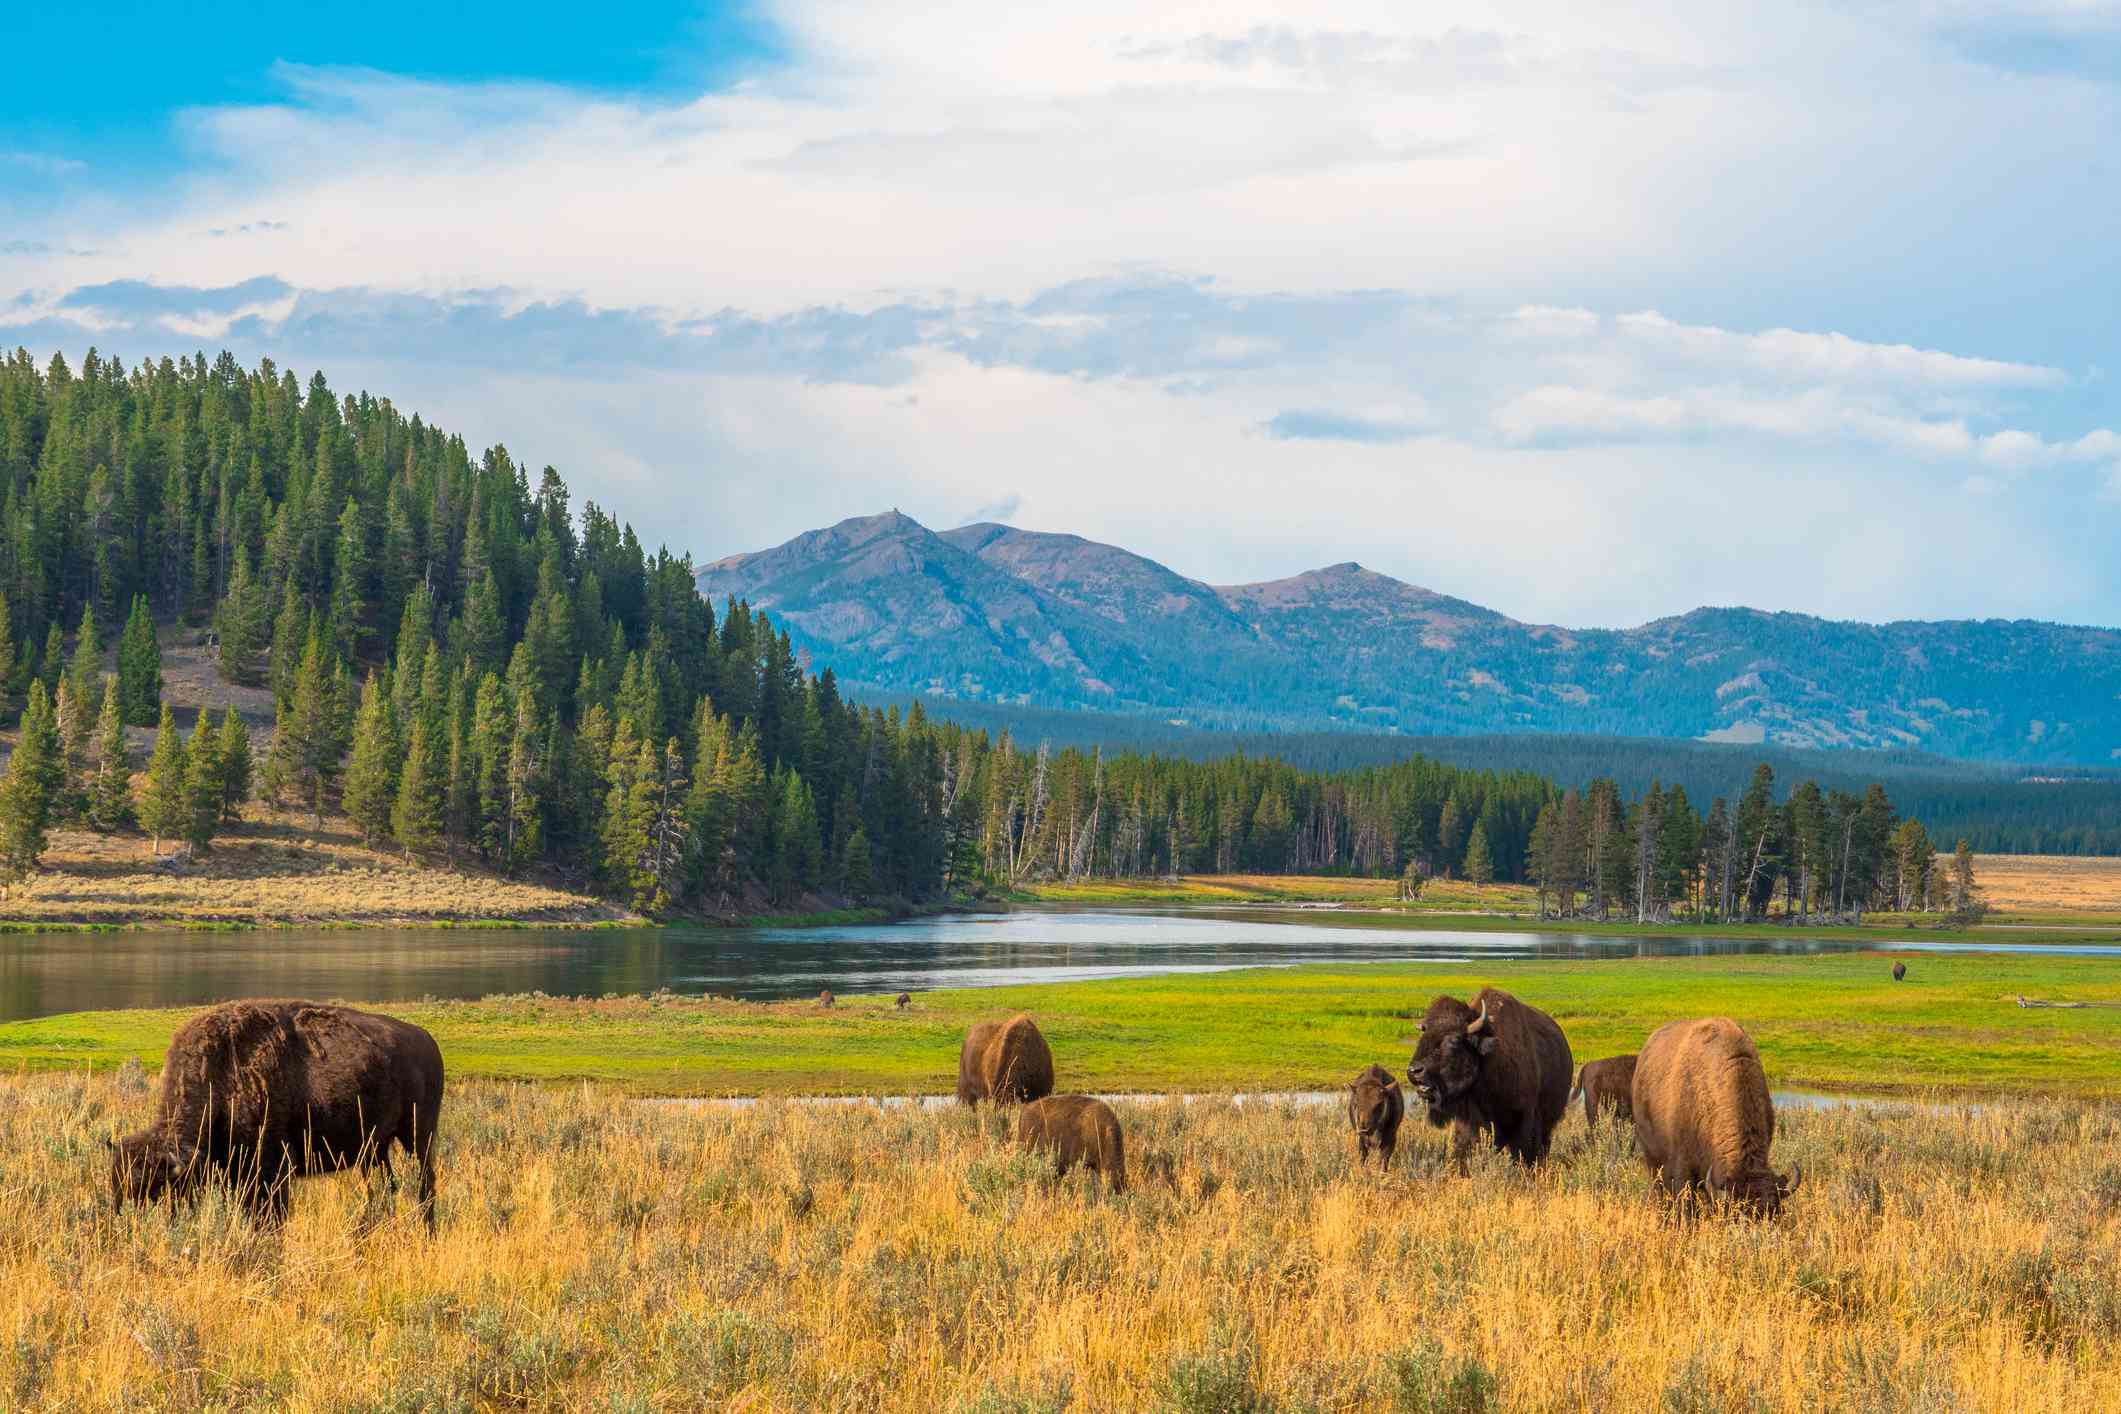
(1386, 1143)
(1463, 1137)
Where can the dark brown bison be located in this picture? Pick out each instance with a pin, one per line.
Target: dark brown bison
(1498, 1065)
(1375, 1108)
(1075, 1129)
(255, 1094)
(905, 999)
(1606, 1086)
(1899, 972)
(1703, 1119)
(824, 998)
(1004, 1061)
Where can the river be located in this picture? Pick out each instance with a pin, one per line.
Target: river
(46, 974)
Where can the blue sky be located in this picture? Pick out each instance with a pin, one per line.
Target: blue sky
(1588, 313)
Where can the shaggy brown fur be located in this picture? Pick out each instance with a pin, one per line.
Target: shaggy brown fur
(1899, 972)
(1607, 1087)
(1497, 1065)
(905, 999)
(1375, 1108)
(1075, 1129)
(1703, 1119)
(1004, 1061)
(824, 998)
(257, 1093)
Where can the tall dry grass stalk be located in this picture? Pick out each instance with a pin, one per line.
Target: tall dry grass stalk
(596, 1253)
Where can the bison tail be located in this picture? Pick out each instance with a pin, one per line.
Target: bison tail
(1579, 1087)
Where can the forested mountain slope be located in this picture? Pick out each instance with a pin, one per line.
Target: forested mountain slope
(987, 613)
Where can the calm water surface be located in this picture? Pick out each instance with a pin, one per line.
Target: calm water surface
(45, 974)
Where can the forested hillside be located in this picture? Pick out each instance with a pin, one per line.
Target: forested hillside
(467, 666)
(996, 615)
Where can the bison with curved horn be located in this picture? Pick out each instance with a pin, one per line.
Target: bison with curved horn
(1499, 1066)
(1006, 1062)
(1703, 1117)
(257, 1093)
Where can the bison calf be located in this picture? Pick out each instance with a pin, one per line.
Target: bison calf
(1703, 1117)
(1607, 1088)
(1075, 1129)
(1004, 1061)
(255, 1094)
(1375, 1108)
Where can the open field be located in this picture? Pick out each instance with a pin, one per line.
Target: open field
(273, 869)
(2050, 887)
(1439, 895)
(597, 1255)
(1822, 1022)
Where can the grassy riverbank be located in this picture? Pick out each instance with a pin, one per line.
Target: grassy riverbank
(597, 1255)
(1823, 1022)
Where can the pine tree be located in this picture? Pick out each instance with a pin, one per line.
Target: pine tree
(416, 813)
(233, 749)
(307, 746)
(857, 869)
(1480, 866)
(165, 810)
(84, 674)
(51, 664)
(526, 785)
(350, 604)
(372, 773)
(243, 625)
(7, 652)
(139, 667)
(34, 775)
(202, 787)
(1968, 906)
(76, 728)
(1450, 836)
(492, 739)
(110, 786)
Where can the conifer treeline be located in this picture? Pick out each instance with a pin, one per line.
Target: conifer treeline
(464, 665)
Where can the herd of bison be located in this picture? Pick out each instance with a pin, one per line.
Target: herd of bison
(257, 1093)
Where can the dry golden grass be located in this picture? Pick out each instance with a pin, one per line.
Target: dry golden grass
(2049, 883)
(273, 869)
(596, 1254)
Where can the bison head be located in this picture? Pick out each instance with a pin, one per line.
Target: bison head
(143, 1168)
(1763, 1190)
(1370, 1103)
(1454, 1047)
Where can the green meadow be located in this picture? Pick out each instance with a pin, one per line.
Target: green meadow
(1821, 1022)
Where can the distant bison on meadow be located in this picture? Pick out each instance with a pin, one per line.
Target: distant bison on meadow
(1606, 1086)
(1703, 1117)
(1075, 1129)
(1899, 972)
(1375, 1108)
(1004, 1061)
(905, 999)
(1498, 1065)
(825, 998)
(257, 1093)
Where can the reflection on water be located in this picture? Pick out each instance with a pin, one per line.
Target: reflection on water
(43, 975)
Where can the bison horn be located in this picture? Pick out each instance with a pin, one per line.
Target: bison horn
(1796, 1177)
(1480, 1022)
(110, 1143)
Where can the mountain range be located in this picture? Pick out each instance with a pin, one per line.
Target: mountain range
(989, 613)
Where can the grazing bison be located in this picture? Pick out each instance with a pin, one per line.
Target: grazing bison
(1375, 1108)
(258, 1093)
(824, 998)
(1899, 972)
(1004, 1061)
(1498, 1065)
(905, 999)
(1075, 1129)
(1703, 1119)
(1606, 1087)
